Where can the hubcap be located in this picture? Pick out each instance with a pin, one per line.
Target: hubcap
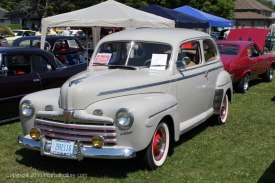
(246, 85)
(159, 143)
(223, 108)
(271, 74)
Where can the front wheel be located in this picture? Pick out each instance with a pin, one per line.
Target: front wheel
(157, 150)
(222, 116)
(244, 84)
(269, 75)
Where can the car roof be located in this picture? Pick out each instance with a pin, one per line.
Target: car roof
(24, 50)
(50, 39)
(166, 35)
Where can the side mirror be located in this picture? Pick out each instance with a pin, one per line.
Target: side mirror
(4, 71)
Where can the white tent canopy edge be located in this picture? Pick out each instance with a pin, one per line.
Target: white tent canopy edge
(107, 14)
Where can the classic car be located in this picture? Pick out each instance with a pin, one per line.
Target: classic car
(243, 57)
(60, 46)
(27, 70)
(20, 33)
(142, 90)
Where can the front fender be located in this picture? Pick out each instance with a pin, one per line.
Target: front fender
(40, 100)
(148, 111)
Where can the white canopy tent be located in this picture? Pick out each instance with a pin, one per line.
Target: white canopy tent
(107, 14)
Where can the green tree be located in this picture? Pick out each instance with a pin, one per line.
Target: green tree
(45, 8)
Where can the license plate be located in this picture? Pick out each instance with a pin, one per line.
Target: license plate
(62, 147)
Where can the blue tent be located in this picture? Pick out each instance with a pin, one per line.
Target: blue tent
(214, 21)
(182, 20)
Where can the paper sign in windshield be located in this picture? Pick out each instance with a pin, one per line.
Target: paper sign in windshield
(102, 58)
(158, 61)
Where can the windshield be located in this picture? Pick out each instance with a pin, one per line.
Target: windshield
(136, 54)
(228, 49)
(18, 33)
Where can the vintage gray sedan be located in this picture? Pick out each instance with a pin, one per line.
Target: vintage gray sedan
(142, 90)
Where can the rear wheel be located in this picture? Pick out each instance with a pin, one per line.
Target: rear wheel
(156, 152)
(244, 84)
(221, 118)
(269, 75)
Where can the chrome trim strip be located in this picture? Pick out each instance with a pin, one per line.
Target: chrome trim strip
(83, 139)
(75, 132)
(10, 119)
(75, 126)
(133, 88)
(13, 97)
(72, 118)
(80, 151)
(162, 111)
(156, 84)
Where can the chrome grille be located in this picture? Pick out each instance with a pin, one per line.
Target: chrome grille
(75, 128)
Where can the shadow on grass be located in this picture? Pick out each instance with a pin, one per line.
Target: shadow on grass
(100, 168)
(192, 133)
(268, 176)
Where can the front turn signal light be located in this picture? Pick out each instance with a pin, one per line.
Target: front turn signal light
(35, 133)
(97, 141)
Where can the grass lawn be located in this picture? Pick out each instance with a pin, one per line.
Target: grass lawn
(242, 150)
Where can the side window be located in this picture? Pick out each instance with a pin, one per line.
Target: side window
(209, 51)
(72, 44)
(189, 54)
(25, 43)
(19, 64)
(40, 64)
(253, 51)
(36, 44)
(60, 45)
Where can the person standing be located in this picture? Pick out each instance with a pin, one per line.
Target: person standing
(226, 33)
(52, 32)
(66, 32)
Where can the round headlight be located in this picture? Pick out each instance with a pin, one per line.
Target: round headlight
(27, 108)
(124, 119)
(35, 133)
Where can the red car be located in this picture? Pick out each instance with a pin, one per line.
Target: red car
(242, 56)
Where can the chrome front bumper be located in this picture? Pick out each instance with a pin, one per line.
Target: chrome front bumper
(80, 151)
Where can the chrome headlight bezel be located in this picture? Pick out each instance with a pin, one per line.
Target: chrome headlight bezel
(27, 108)
(124, 119)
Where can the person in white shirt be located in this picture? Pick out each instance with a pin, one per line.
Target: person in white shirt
(52, 32)
(226, 33)
(66, 32)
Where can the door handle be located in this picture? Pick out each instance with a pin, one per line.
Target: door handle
(205, 73)
(36, 80)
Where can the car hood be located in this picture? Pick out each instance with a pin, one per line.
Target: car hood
(101, 83)
(255, 35)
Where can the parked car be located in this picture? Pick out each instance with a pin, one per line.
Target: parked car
(243, 57)
(60, 46)
(20, 33)
(73, 33)
(143, 89)
(27, 70)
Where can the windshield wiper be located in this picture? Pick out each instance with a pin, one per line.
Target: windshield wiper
(123, 66)
(95, 64)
